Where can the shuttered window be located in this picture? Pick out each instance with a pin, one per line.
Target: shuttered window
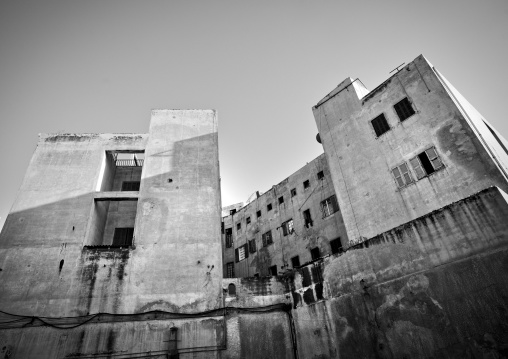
(241, 253)
(426, 163)
(404, 109)
(380, 125)
(402, 175)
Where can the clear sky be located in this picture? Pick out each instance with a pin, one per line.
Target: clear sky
(101, 66)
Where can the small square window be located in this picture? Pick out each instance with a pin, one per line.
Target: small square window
(404, 109)
(320, 175)
(273, 270)
(269, 207)
(267, 238)
(287, 227)
(281, 199)
(295, 261)
(426, 163)
(258, 214)
(336, 246)
(402, 175)
(232, 211)
(306, 184)
(329, 206)
(230, 270)
(314, 252)
(229, 237)
(380, 125)
(293, 192)
(247, 220)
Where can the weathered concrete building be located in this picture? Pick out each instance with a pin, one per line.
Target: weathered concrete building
(113, 246)
(295, 222)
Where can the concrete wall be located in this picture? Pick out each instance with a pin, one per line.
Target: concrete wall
(361, 163)
(298, 243)
(434, 287)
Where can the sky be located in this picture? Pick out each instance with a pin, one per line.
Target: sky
(101, 66)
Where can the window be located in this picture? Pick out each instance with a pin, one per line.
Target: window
(252, 246)
(293, 192)
(281, 199)
(123, 236)
(295, 261)
(232, 211)
(247, 220)
(404, 109)
(273, 270)
(130, 186)
(402, 175)
(231, 289)
(336, 246)
(314, 252)
(238, 227)
(230, 270)
(306, 184)
(287, 227)
(229, 237)
(256, 275)
(267, 238)
(329, 206)
(320, 175)
(241, 253)
(426, 163)
(307, 218)
(269, 207)
(258, 214)
(380, 125)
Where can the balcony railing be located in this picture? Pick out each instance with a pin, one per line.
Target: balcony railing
(137, 162)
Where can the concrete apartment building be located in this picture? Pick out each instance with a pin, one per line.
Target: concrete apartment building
(113, 247)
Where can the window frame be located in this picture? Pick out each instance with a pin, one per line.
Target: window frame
(230, 265)
(340, 249)
(229, 237)
(410, 103)
(313, 251)
(401, 175)
(417, 165)
(331, 208)
(127, 184)
(245, 253)
(374, 127)
(321, 175)
(269, 207)
(281, 200)
(267, 238)
(297, 257)
(293, 192)
(288, 227)
(306, 184)
(308, 222)
(258, 214)
(252, 246)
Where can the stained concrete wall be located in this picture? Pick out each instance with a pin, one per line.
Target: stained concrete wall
(361, 163)
(298, 243)
(434, 287)
(175, 262)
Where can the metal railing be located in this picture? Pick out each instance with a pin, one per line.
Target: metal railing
(137, 162)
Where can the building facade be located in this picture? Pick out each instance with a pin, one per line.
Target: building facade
(392, 244)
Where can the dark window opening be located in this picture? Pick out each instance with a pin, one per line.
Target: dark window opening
(267, 238)
(238, 227)
(404, 109)
(314, 252)
(247, 220)
(295, 261)
(230, 270)
(329, 206)
(123, 236)
(306, 184)
(307, 218)
(252, 246)
(402, 175)
(232, 211)
(336, 246)
(130, 185)
(229, 237)
(281, 199)
(320, 175)
(231, 289)
(222, 227)
(258, 214)
(273, 270)
(287, 227)
(426, 163)
(293, 192)
(256, 275)
(380, 125)
(269, 207)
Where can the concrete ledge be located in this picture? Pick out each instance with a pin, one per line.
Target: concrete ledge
(116, 196)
